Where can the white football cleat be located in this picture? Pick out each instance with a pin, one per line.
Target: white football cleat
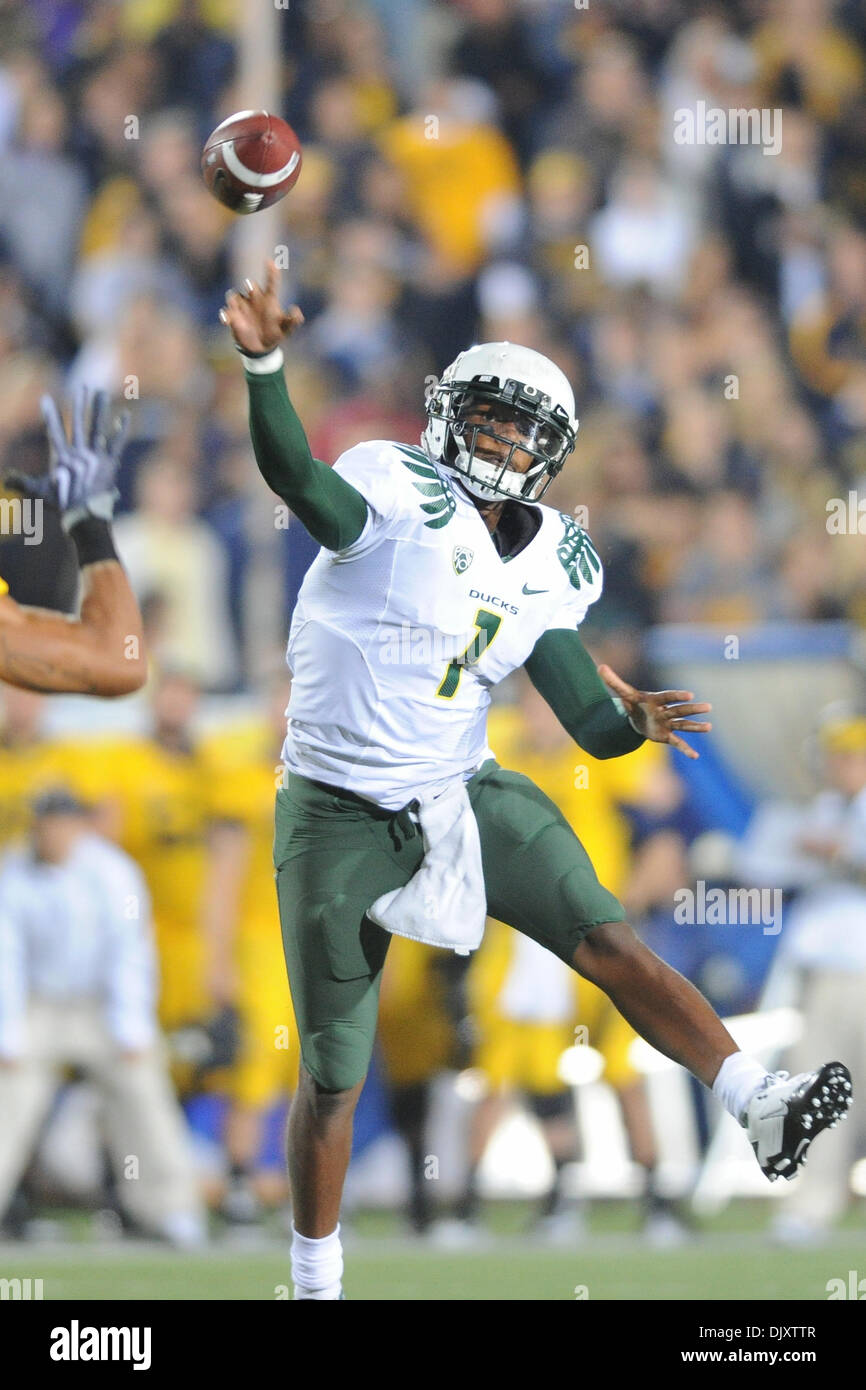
(786, 1113)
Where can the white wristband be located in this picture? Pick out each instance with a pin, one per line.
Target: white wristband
(261, 366)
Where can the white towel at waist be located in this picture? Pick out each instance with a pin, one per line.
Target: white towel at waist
(445, 903)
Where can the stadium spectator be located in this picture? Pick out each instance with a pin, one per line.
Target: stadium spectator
(164, 547)
(160, 784)
(461, 175)
(422, 1005)
(21, 759)
(817, 853)
(245, 967)
(35, 173)
(524, 1007)
(498, 47)
(646, 232)
(78, 988)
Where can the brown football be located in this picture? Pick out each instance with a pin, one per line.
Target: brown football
(251, 161)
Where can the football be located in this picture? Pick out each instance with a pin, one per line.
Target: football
(251, 161)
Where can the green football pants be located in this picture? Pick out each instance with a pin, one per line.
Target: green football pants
(335, 853)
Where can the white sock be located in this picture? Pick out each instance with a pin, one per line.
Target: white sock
(737, 1081)
(317, 1265)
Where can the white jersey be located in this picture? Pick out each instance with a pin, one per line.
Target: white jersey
(397, 640)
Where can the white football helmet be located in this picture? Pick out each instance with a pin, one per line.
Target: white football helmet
(505, 384)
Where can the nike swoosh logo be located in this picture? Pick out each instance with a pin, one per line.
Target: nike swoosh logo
(535, 591)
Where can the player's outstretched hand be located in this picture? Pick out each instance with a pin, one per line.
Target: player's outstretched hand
(83, 466)
(257, 319)
(660, 715)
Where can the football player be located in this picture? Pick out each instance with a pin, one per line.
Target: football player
(422, 548)
(162, 796)
(102, 651)
(422, 1014)
(246, 970)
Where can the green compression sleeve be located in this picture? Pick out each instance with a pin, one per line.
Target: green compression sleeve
(565, 675)
(332, 510)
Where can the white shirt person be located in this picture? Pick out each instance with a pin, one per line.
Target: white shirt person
(78, 987)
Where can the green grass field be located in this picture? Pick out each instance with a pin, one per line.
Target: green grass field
(732, 1260)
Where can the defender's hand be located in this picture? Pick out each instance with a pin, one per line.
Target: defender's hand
(257, 320)
(83, 469)
(659, 715)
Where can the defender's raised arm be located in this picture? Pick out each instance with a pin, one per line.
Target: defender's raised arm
(101, 652)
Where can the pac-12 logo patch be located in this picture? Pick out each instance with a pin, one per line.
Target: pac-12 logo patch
(461, 558)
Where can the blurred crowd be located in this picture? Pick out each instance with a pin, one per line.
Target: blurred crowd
(473, 169)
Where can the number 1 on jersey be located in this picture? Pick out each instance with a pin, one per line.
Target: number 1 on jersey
(488, 626)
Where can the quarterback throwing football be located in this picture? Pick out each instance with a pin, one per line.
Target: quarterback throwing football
(439, 574)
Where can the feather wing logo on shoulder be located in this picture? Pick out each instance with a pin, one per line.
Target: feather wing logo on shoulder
(440, 506)
(461, 558)
(577, 554)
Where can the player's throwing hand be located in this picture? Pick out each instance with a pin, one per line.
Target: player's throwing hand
(659, 715)
(257, 319)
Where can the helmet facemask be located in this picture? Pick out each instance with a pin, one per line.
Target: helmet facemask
(483, 447)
